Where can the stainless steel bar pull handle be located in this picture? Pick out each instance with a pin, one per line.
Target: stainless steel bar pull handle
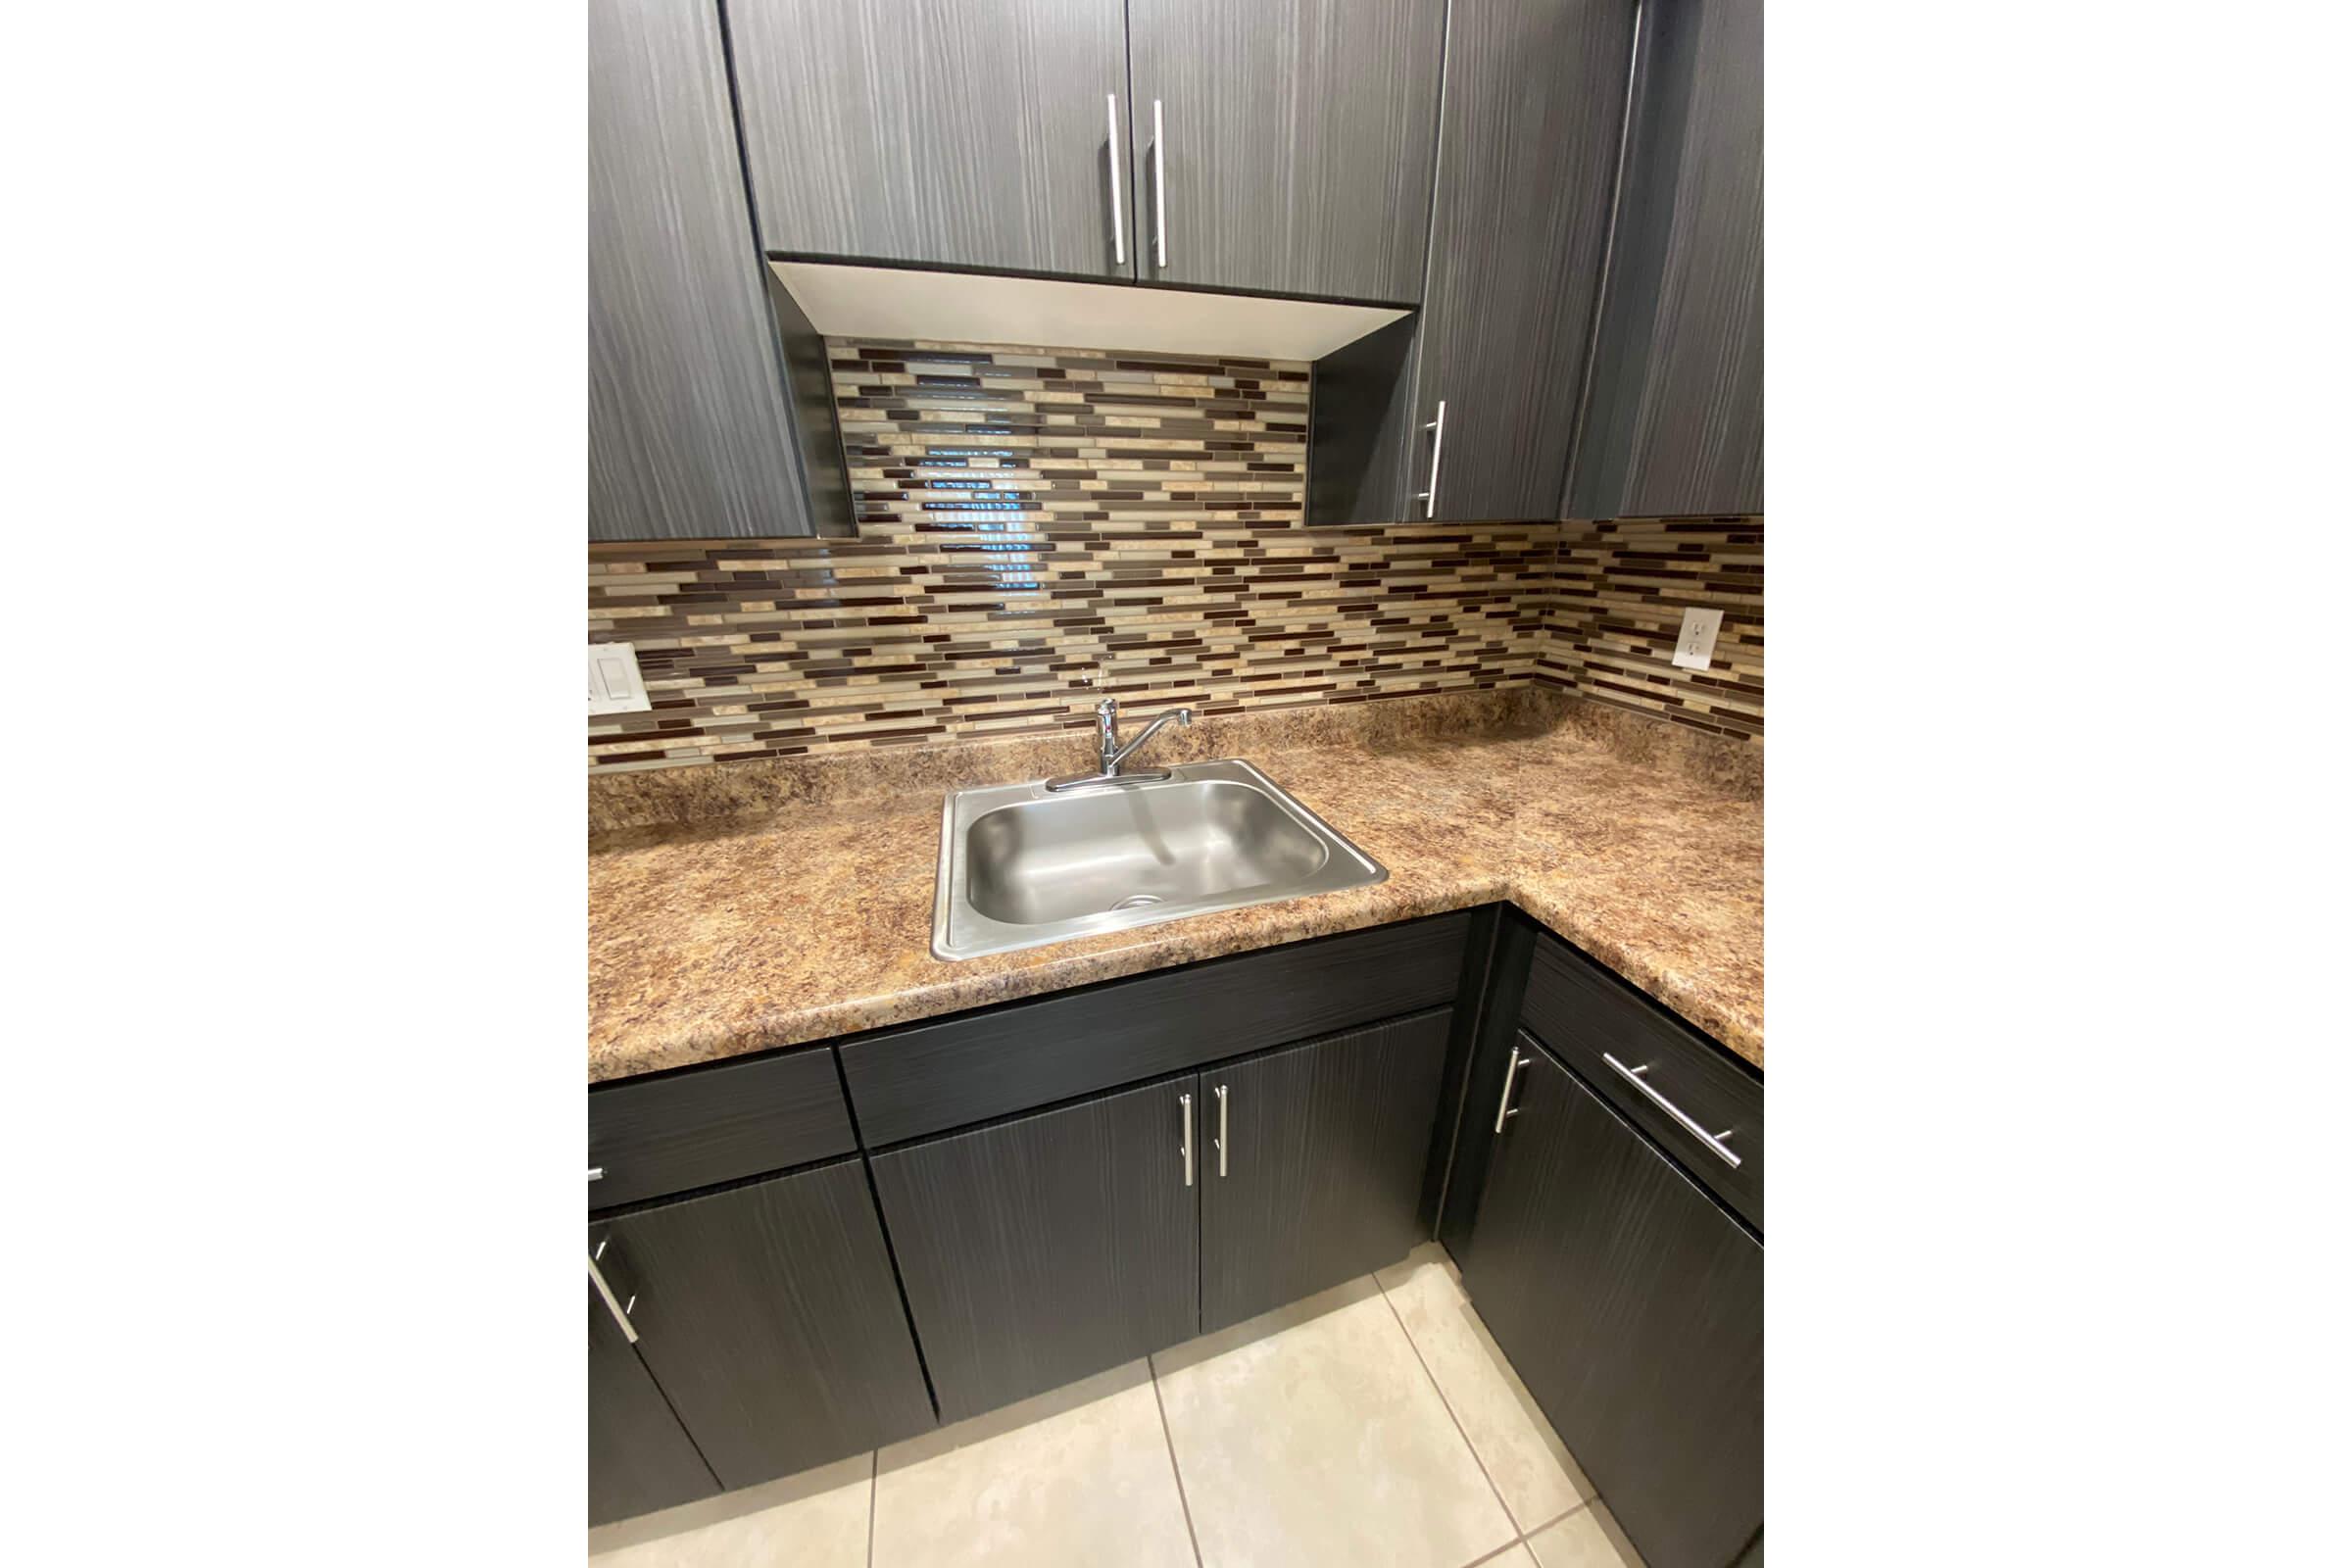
(1511, 1075)
(1681, 1118)
(596, 1173)
(1160, 186)
(620, 1315)
(1119, 153)
(1220, 1130)
(1184, 1109)
(1437, 453)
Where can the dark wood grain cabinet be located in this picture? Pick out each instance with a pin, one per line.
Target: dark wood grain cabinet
(1676, 421)
(981, 134)
(688, 435)
(1314, 1164)
(769, 1318)
(1535, 106)
(1633, 1308)
(1048, 1247)
(1285, 145)
(639, 1458)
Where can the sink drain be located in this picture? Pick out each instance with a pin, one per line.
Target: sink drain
(1135, 901)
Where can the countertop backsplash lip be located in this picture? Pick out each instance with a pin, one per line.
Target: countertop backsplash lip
(720, 938)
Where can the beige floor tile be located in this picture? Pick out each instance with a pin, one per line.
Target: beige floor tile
(1312, 1436)
(1586, 1539)
(1538, 1478)
(1078, 1476)
(813, 1520)
(1517, 1556)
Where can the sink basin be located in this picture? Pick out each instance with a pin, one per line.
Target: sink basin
(1020, 866)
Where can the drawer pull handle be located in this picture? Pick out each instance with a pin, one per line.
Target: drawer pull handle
(1184, 1111)
(596, 1173)
(1681, 1118)
(1511, 1075)
(620, 1314)
(1221, 1130)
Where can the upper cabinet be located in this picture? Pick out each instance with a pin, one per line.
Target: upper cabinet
(1676, 419)
(1535, 109)
(687, 430)
(1285, 145)
(984, 134)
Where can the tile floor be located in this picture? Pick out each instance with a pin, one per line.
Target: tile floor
(1376, 1424)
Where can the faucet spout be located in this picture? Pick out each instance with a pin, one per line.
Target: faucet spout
(1182, 715)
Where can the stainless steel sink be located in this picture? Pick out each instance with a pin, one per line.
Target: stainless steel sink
(1020, 866)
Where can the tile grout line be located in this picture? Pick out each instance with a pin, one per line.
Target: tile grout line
(1168, 1436)
(1476, 1457)
(873, 1505)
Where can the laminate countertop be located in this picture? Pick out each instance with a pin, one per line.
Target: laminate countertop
(711, 939)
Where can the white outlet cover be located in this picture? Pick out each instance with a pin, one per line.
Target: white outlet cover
(615, 685)
(1695, 647)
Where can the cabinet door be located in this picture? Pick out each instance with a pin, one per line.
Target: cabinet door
(967, 132)
(768, 1315)
(1676, 424)
(639, 1458)
(1535, 110)
(1634, 1310)
(1293, 144)
(687, 432)
(1045, 1249)
(1315, 1155)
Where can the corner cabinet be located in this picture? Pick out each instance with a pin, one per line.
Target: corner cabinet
(1676, 424)
(982, 133)
(1286, 146)
(1633, 1308)
(688, 436)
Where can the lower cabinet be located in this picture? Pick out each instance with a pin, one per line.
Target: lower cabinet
(767, 1315)
(1633, 1307)
(1044, 1249)
(639, 1458)
(1314, 1164)
(1047, 1247)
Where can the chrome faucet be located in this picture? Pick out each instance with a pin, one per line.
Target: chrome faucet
(1112, 757)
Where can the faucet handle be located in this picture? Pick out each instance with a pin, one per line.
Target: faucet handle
(1109, 708)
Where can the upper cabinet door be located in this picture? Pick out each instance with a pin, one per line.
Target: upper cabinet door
(985, 134)
(1535, 111)
(1285, 145)
(687, 435)
(1676, 424)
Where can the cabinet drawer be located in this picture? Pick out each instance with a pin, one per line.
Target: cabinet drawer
(1591, 1019)
(714, 1124)
(958, 1071)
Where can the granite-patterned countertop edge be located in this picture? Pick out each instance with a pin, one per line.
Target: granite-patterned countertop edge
(721, 940)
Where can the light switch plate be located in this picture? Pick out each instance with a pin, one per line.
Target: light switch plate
(1695, 647)
(615, 685)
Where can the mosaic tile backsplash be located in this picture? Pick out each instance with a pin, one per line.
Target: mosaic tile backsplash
(1615, 609)
(1040, 526)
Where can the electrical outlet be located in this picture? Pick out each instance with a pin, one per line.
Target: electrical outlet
(1697, 646)
(615, 685)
